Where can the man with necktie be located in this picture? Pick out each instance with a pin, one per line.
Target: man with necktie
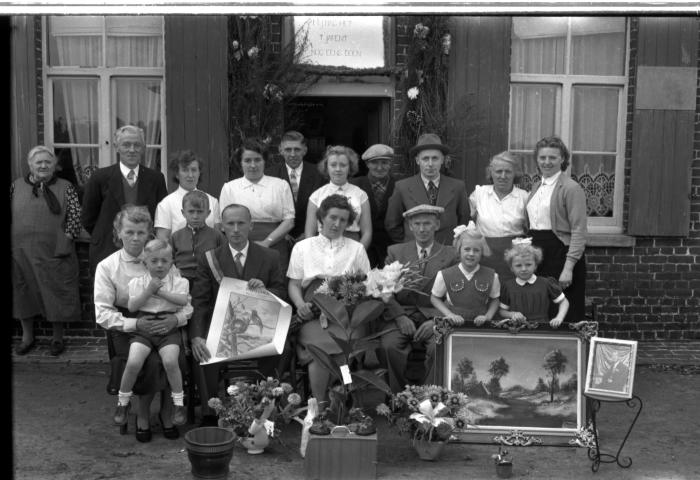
(110, 188)
(241, 259)
(415, 327)
(378, 185)
(428, 187)
(303, 177)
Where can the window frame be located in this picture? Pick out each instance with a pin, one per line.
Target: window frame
(563, 121)
(105, 116)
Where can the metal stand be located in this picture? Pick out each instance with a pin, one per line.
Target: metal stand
(594, 453)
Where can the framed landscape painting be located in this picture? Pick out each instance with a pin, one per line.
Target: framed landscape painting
(610, 373)
(524, 388)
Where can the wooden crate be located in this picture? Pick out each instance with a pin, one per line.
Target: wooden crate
(353, 457)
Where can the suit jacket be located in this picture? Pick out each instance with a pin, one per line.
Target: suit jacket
(104, 198)
(262, 263)
(441, 257)
(380, 238)
(410, 192)
(310, 181)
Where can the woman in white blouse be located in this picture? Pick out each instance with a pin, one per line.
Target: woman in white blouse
(339, 163)
(186, 167)
(269, 199)
(313, 260)
(498, 210)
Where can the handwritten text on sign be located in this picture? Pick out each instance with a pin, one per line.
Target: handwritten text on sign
(355, 42)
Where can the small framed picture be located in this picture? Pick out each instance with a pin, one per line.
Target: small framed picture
(610, 372)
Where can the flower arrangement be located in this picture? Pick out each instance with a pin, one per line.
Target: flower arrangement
(393, 278)
(247, 402)
(427, 412)
(502, 456)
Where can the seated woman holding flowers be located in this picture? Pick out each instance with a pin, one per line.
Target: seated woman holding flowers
(312, 261)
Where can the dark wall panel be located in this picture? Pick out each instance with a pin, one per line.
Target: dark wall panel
(196, 80)
(479, 70)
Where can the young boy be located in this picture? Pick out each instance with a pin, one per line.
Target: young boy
(196, 237)
(155, 295)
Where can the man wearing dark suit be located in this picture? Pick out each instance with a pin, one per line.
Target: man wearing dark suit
(428, 187)
(303, 177)
(428, 257)
(240, 259)
(110, 188)
(378, 185)
(615, 378)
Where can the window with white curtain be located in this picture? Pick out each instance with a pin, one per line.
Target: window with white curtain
(100, 73)
(569, 78)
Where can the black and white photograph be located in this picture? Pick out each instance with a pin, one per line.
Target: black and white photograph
(611, 365)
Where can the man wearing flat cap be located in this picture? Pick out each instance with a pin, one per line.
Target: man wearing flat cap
(378, 185)
(428, 187)
(415, 327)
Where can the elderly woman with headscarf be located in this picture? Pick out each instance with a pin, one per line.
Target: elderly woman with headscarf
(498, 210)
(45, 220)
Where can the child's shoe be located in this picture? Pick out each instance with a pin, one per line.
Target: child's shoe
(179, 415)
(121, 414)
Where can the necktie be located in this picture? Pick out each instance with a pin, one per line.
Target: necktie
(238, 264)
(379, 189)
(294, 184)
(432, 193)
(423, 256)
(131, 177)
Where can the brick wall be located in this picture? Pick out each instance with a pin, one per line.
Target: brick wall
(652, 290)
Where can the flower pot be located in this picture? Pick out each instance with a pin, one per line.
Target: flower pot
(209, 450)
(504, 470)
(428, 450)
(257, 443)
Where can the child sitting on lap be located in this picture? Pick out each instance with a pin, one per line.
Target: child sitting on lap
(470, 290)
(527, 296)
(160, 292)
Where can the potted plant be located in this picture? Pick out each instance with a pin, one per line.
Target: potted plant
(352, 301)
(254, 411)
(504, 463)
(428, 414)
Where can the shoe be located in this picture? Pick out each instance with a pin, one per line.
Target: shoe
(112, 390)
(121, 414)
(24, 348)
(209, 421)
(57, 347)
(179, 415)
(143, 436)
(170, 433)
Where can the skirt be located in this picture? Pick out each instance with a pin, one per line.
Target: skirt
(262, 230)
(553, 259)
(498, 246)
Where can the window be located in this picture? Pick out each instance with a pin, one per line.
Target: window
(101, 73)
(569, 78)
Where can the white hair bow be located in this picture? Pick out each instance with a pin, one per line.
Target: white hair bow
(522, 241)
(460, 229)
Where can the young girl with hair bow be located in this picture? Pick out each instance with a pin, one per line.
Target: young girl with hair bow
(468, 290)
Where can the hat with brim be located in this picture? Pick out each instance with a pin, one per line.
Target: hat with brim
(423, 209)
(378, 151)
(428, 141)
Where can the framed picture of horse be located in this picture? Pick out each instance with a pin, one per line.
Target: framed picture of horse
(525, 388)
(610, 373)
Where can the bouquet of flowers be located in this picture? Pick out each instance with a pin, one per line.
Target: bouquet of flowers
(266, 400)
(427, 412)
(384, 283)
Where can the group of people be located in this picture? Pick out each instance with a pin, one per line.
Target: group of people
(158, 259)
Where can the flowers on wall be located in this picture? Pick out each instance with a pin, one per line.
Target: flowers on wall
(264, 77)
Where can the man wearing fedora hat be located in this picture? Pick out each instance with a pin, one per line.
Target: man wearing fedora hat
(414, 327)
(428, 187)
(378, 185)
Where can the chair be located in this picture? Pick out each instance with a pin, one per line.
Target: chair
(118, 363)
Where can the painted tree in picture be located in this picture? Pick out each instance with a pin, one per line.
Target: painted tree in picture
(465, 369)
(498, 369)
(555, 364)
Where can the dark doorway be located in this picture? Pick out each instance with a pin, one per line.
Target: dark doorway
(356, 122)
